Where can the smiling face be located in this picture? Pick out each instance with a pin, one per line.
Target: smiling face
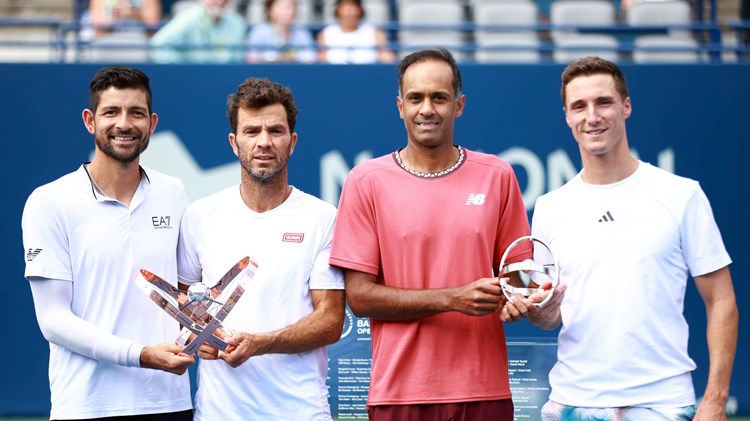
(596, 114)
(121, 124)
(428, 103)
(263, 143)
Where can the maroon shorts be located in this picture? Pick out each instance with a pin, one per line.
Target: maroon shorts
(499, 410)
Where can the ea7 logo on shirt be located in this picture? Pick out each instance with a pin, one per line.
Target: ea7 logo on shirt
(293, 237)
(475, 199)
(32, 253)
(161, 222)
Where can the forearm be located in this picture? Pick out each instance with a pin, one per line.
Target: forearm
(62, 327)
(721, 334)
(322, 327)
(394, 304)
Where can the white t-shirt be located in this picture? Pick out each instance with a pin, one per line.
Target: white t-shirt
(291, 245)
(625, 251)
(73, 234)
(357, 47)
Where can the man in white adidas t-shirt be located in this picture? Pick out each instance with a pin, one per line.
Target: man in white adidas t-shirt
(276, 366)
(627, 236)
(85, 236)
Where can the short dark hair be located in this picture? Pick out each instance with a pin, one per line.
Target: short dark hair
(120, 77)
(439, 54)
(257, 93)
(593, 66)
(357, 3)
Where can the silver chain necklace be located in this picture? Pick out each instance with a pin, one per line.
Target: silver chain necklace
(431, 174)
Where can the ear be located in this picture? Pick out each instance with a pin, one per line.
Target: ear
(628, 108)
(400, 106)
(154, 122)
(567, 119)
(233, 143)
(293, 144)
(88, 120)
(460, 105)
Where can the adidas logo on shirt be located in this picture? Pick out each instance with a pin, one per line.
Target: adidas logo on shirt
(607, 217)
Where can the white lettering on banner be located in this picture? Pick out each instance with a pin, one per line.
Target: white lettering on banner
(560, 169)
(333, 172)
(167, 154)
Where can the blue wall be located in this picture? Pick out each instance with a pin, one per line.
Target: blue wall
(692, 119)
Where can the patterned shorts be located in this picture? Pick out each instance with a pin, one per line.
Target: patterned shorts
(553, 411)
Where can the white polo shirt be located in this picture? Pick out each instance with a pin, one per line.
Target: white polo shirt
(71, 232)
(291, 245)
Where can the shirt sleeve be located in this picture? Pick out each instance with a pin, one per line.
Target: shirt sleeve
(62, 327)
(189, 270)
(323, 275)
(45, 240)
(355, 239)
(702, 245)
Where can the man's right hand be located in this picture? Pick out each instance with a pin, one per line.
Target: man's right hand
(478, 298)
(166, 357)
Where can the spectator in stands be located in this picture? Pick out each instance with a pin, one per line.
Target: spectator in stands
(209, 32)
(351, 39)
(279, 39)
(107, 16)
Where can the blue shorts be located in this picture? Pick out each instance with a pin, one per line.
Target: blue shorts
(553, 411)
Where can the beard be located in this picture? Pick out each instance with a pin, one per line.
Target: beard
(125, 156)
(265, 175)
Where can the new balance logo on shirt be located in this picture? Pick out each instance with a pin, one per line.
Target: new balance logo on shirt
(32, 253)
(475, 199)
(607, 217)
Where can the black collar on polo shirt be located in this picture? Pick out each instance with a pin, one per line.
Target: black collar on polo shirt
(94, 186)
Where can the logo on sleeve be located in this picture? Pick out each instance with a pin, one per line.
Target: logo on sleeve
(293, 237)
(475, 199)
(32, 254)
(161, 222)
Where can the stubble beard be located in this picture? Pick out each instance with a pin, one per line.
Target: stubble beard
(108, 148)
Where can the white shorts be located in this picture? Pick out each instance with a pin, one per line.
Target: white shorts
(553, 411)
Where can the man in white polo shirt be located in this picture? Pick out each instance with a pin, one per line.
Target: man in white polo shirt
(85, 235)
(293, 306)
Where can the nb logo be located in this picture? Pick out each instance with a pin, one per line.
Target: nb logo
(161, 222)
(32, 253)
(475, 199)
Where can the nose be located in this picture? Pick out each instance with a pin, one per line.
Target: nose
(123, 121)
(427, 107)
(592, 114)
(264, 139)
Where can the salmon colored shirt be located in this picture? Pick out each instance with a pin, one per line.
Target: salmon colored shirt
(424, 233)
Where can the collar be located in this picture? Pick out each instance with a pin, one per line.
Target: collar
(99, 195)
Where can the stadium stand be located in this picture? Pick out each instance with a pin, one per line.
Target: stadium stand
(484, 31)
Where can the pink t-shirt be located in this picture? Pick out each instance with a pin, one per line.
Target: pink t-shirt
(419, 233)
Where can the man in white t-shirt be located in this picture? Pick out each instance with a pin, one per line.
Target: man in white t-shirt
(627, 236)
(276, 365)
(85, 236)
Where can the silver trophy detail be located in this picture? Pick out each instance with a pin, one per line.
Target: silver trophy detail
(201, 308)
(536, 275)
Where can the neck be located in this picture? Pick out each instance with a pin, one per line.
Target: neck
(601, 170)
(429, 160)
(264, 196)
(115, 179)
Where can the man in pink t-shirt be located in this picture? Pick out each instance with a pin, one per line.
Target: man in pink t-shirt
(419, 234)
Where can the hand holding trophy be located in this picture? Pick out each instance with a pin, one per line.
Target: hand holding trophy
(538, 275)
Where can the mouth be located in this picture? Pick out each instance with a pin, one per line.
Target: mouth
(427, 125)
(124, 138)
(595, 132)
